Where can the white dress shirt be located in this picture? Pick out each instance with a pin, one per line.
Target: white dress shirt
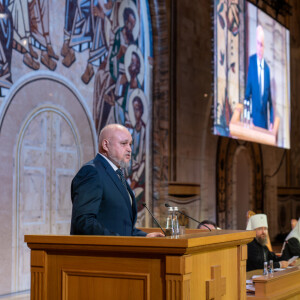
(260, 70)
(115, 169)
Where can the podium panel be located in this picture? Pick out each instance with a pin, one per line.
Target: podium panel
(197, 265)
(86, 277)
(110, 285)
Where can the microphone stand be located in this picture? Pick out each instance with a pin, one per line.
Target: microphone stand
(144, 204)
(181, 212)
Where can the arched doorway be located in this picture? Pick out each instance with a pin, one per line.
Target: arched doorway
(226, 172)
(48, 155)
(242, 182)
(46, 134)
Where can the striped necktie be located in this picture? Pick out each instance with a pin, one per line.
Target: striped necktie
(122, 177)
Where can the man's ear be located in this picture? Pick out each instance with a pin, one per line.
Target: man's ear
(105, 145)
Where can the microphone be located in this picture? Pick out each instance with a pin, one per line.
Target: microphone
(181, 212)
(144, 204)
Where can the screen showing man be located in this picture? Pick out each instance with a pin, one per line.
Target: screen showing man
(251, 75)
(258, 88)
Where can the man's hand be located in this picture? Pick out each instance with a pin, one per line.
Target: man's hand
(283, 264)
(155, 234)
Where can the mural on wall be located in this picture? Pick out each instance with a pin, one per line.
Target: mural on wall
(67, 68)
(103, 47)
(227, 34)
(5, 46)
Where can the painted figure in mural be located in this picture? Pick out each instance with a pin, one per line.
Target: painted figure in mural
(78, 31)
(132, 79)
(111, 78)
(67, 52)
(102, 32)
(134, 69)
(6, 27)
(259, 85)
(39, 27)
(137, 115)
(123, 38)
(103, 97)
(87, 26)
(103, 202)
(22, 33)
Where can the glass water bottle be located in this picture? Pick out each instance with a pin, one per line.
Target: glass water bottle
(175, 221)
(169, 226)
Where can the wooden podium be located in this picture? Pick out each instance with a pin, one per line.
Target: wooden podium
(278, 286)
(197, 265)
(252, 133)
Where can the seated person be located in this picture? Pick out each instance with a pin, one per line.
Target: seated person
(294, 223)
(258, 252)
(291, 246)
(206, 224)
(251, 213)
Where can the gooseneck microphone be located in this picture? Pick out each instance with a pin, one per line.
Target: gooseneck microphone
(181, 212)
(144, 204)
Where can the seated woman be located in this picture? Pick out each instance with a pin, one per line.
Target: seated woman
(291, 246)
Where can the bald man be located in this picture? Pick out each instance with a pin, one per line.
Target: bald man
(258, 86)
(103, 203)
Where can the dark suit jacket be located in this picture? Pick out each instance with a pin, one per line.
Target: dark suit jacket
(259, 103)
(101, 205)
(258, 254)
(292, 248)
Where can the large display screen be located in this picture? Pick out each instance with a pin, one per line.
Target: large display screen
(252, 75)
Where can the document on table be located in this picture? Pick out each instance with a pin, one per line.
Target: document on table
(250, 288)
(292, 259)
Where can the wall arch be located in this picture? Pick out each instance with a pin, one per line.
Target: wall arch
(225, 187)
(33, 96)
(47, 156)
(242, 181)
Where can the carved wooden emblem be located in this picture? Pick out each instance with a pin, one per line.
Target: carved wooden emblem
(216, 287)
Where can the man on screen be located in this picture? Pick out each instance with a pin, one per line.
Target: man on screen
(258, 85)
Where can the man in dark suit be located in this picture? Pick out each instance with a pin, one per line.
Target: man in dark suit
(259, 86)
(103, 203)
